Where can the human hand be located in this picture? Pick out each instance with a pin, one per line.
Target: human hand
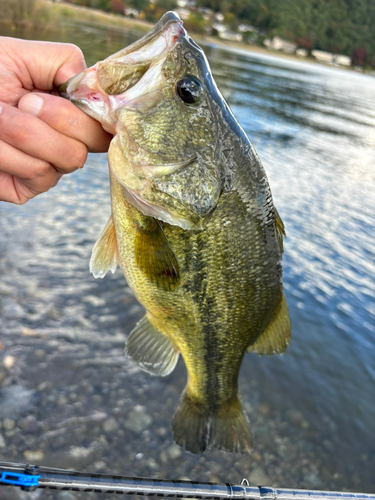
(45, 136)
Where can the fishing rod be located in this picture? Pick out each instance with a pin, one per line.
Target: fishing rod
(31, 477)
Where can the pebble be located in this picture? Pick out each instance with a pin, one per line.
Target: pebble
(94, 301)
(15, 399)
(138, 420)
(29, 424)
(100, 465)
(6, 289)
(2, 441)
(28, 332)
(39, 353)
(79, 452)
(258, 477)
(9, 424)
(43, 386)
(152, 463)
(264, 408)
(163, 457)
(110, 425)
(9, 361)
(12, 310)
(33, 456)
(66, 495)
(174, 451)
(62, 400)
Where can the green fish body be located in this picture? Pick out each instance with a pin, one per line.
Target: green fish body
(193, 227)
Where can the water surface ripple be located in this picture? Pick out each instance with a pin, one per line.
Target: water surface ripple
(313, 409)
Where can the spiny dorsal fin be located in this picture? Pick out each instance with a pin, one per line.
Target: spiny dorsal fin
(280, 229)
(104, 255)
(276, 336)
(151, 349)
(154, 254)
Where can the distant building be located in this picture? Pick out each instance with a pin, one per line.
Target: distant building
(278, 43)
(219, 17)
(321, 56)
(246, 27)
(301, 52)
(220, 28)
(232, 37)
(131, 12)
(184, 4)
(342, 60)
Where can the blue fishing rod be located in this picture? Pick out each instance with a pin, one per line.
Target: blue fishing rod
(31, 477)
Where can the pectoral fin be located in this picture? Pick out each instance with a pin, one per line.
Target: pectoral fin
(154, 254)
(104, 255)
(151, 349)
(276, 336)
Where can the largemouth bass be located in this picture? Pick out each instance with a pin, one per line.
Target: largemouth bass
(193, 227)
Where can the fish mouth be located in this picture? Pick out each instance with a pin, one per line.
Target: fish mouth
(104, 87)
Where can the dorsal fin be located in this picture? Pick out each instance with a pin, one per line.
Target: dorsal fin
(280, 229)
(151, 349)
(276, 336)
(104, 255)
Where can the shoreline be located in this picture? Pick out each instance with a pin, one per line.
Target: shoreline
(119, 21)
(66, 11)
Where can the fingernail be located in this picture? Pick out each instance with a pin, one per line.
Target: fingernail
(31, 103)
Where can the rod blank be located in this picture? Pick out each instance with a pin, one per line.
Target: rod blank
(32, 477)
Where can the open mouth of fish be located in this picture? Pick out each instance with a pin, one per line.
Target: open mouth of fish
(127, 78)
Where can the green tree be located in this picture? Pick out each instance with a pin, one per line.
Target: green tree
(195, 23)
(167, 4)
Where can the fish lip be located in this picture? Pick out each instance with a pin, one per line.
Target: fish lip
(168, 18)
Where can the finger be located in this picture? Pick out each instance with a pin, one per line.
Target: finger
(14, 190)
(8, 190)
(43, 65)
(66, 118)
(35, 138)
(22, 176)
(26, 167)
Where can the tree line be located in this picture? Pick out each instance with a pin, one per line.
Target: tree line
(339, 26)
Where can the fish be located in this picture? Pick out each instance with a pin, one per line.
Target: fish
(193, 227)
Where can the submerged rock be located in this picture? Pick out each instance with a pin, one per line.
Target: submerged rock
(138, 420)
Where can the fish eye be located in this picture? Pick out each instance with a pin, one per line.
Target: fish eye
(190, 89)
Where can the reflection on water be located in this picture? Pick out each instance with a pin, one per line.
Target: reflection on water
(313, 409)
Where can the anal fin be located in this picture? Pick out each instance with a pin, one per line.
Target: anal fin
(151, 349)
(104, 255)
(276, 336)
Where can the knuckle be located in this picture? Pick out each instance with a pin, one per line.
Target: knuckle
(70, 117)
(41, 169)
(19, 128)
(80, 155)
(74, 51)
(20, 200)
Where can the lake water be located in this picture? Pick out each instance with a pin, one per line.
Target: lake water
(68, 397)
